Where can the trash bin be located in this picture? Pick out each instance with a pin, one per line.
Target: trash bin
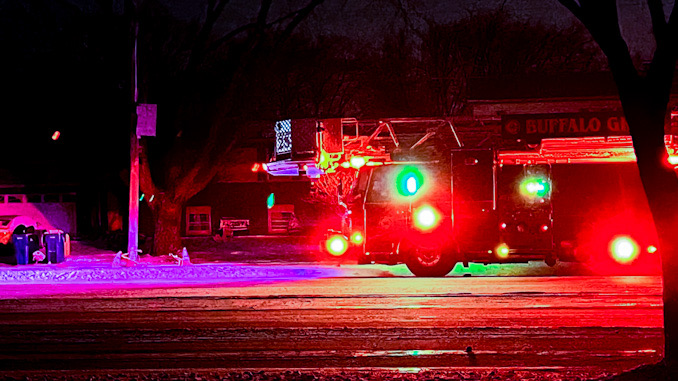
(54, 245)
(24, 246)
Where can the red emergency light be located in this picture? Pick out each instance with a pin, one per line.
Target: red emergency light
(502, 251)
(336, 245)
(357, 238)
(624, 249)
(426, 218)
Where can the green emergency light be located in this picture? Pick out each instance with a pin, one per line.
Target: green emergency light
(409, 181)
(270, 201)
(535, 187)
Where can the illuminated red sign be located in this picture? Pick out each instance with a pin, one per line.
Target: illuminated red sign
(534, 127)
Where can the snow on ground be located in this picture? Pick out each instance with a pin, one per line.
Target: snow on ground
(211, 262)
(245, 257)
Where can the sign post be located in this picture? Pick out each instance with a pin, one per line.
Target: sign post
(143, 122)
(133, 230)
(133, 215)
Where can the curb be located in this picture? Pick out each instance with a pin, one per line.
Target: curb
(208, 273)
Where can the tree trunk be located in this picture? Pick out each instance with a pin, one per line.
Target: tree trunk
(167, 237)
(661, 188)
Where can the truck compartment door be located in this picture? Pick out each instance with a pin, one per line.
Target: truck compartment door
(473, 199)
(524, 205)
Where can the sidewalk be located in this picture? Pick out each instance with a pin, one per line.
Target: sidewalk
(246, 258)
(241, 258)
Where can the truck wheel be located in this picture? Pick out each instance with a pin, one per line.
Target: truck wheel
(429, 262)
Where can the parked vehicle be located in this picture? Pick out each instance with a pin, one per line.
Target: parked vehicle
(15, 224)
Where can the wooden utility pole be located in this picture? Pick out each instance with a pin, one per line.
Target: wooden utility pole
(133, 226)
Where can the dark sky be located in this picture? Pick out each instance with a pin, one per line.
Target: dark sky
(373, 18)
(362, 19)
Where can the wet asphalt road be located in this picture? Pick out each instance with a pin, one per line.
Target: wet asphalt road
(593, 323)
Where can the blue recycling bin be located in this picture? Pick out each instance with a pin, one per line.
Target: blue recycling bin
(54, 246)
(24, 246)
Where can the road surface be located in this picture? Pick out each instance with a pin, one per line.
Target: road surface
(601, 324)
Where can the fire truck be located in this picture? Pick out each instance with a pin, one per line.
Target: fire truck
(561, 199)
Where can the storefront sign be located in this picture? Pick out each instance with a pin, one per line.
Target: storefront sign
(538, 126)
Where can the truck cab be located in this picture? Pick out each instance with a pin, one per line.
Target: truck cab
(432, 215)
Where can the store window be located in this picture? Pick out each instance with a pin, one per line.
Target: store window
(51, 198)
(34, 198)
(198, 220)
(15, 198)
(68, 197)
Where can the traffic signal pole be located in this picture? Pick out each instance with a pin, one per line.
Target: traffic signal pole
(133, 226)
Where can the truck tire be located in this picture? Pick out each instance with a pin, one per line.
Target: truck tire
(429, 261)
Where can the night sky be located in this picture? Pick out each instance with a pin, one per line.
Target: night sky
(65, 67)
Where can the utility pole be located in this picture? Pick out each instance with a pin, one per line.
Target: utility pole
(133, 228)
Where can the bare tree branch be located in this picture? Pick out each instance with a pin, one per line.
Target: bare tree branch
(662, 67)
(230, 35)
(404, 11)
(263, 14)
(210, 6)
(260, 26)
(601, 19)
(573, 7)
(243, 28)
(672, 27)
(299, 16)
(214, 10)
(208, 170)
(186, 182)
(658, 19)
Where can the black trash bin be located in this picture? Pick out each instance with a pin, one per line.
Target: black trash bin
(24, 246)
(54, 246)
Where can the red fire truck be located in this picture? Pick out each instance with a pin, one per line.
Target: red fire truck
(567, 199)
(567, 196)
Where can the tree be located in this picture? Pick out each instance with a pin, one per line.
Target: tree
(317, 77)
(394, 81)
(493, 44)
(644, 99)
(200, 79)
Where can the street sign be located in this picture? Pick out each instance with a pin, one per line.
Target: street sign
(146, 118)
